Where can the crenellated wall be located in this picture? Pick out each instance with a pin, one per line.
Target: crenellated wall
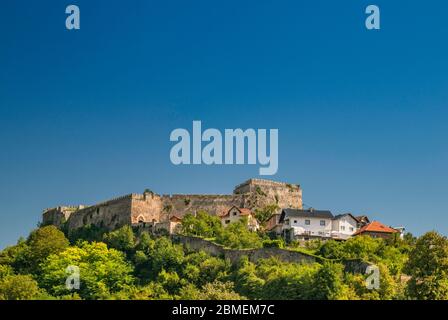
(111, 214)
(260, 193)
(181, 204)
(147, 207)
(59, 215)
(150, 207)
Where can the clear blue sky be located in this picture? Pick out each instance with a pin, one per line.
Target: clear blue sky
(362, 115)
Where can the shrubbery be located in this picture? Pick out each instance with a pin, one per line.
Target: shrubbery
(140, 266)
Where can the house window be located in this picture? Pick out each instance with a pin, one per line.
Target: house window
(307, 222)
(343, 228)
(234, 213)
(352, 229)
(322, 222)
(295, 221)
(227, 221)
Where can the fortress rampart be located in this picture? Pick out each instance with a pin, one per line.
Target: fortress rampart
(133, 209)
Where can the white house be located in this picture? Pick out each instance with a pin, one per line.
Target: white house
(306, 224)
(344, 226)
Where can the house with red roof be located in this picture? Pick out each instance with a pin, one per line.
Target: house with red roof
(300, 224)
(235, 214)
(376, 229)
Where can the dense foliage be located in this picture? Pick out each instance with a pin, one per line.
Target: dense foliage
(131, 264)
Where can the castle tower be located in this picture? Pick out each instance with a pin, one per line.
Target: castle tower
(260, 193)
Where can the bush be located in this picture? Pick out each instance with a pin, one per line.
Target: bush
(102, 271)
(121, 239)
(237, 236)
(428, 268)
(19, 287)
(201, 225)
(277, 243)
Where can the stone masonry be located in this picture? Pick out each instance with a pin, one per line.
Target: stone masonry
(149, 207)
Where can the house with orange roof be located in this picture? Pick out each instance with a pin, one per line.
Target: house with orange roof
(235, 214)
(172, 225)
(376, 229)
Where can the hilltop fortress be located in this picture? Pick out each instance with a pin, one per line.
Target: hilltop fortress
(149, 207)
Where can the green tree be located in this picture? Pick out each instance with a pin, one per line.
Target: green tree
(201, 225)
(26, 256)
(165, 255)
(151, 291)
(201, 268)
(170, 281)
(362, 247)
(17, 257)
(122, 239)
(428, 268)
(102, 271)
(19, 287)
(289, 281)
(91, 233)
(144, 242)
(276, 243)
(218, 290)
(5, 270)
(188, 292)
(331, 250)
(264, 214)
(44, 242)
(394, 258)
(246, 279)
(237, 236)
(390, 287)
(328, 283)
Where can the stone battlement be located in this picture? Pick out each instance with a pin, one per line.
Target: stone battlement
(68, 208)
(251, 183)
(151, 207)
(266, 182)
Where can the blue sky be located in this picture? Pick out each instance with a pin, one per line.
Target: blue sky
(362, 115)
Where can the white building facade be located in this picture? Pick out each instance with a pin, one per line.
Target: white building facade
(306, 224)
(311, 223)
(344, 226)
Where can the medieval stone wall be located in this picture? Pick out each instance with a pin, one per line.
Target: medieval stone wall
(110, 214)
(234, 255)
(146, 208)
(260, 193)
(150, 207)
(180, 205)
(59, 215)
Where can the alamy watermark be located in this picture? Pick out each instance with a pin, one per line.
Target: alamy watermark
(373, 278)
(235, 146)
(73, 20)
(72, 282)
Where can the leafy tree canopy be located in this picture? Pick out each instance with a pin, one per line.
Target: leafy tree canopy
(102, 270)
(428, 267)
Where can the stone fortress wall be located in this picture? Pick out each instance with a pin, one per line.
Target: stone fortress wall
(150, 207)
(259, 193)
